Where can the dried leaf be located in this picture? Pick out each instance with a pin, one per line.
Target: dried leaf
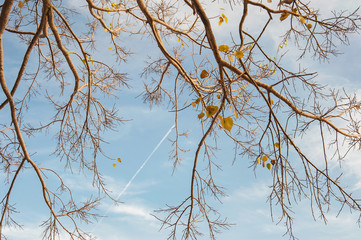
(239, 54)
(302, 19)
(220, 21)
(204, 74)
(211, 110)
(227, 123)
(225, 18)
(284, 16)
(223, 48)
(234, 111)
(269, 166)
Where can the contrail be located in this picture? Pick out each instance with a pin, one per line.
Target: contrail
(144, 163)
(136, 173)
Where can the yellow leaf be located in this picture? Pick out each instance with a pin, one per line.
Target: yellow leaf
(201, 115)
(223, 48)
(264, 158)
(302, 19)
(106, 30)
(230, 58)
(211, 110)
(21, 4)
(225, 18)
(258, 160)
(309, 26)
(271, 102)
(118, 159)
(114, 5)
(198, 100)
(269, 166)
(194, 104)
(110, 48)
(204, 74)
(182, 44)
(294, 10)
(239, 54)
(234, 111)
(220, 21)
(277, 145)
(227, 123)
(114, 164)
(83, 61)
(218, 96)
(284, 16)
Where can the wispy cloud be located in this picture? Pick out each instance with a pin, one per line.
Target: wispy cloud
(31, 232)
(128, 221)
(249, 193)
(133, 210)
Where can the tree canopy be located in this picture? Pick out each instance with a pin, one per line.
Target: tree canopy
(223, 60)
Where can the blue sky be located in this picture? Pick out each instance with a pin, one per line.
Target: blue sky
(156, 185)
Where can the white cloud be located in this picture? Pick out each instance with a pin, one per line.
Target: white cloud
(352, 170)
(33, 232)
(133, 210)
(130, 221)
(344, 225)
(311, 145)
(30, 230)
(79, 182)
(260, 191)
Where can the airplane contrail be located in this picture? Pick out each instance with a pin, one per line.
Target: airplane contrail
(144, 163)
(136, 173)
